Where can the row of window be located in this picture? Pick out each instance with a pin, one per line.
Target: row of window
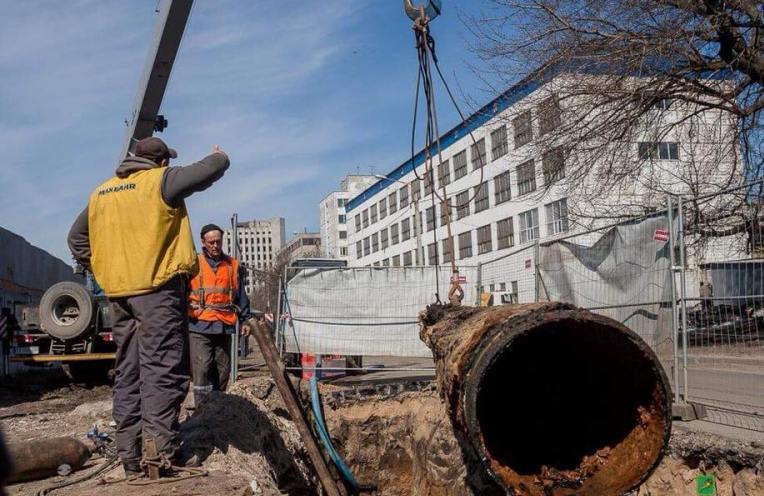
(557, 222)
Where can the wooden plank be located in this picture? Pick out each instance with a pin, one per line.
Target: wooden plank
(288, 394)
(77, 357)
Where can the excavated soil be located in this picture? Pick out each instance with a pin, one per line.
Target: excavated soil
(401, 443)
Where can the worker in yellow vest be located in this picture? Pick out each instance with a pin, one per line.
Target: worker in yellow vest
(135, 236)
(216, 302)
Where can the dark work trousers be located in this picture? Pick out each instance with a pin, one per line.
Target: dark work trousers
(152, 369)
(210, 363)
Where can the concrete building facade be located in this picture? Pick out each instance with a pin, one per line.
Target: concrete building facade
(333, 217)
(303, 245)
(504, 189)
(259, 242)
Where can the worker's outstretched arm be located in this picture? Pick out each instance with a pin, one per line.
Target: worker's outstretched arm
(181, 182)
(79, 240)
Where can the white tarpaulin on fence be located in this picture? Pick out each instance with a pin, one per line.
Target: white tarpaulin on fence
(364, 311)
(622, 272)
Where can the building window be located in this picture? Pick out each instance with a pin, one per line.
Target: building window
(444, 173)
(373, 214)
(526, 177)
(481, 197)
(342, 219)
(505, 234)
(662, 151)
(343, 234)
(366, 246)
(416, 190)
(341, 202)
(432, 253)
(386, 262)
(499, 146)
(428, 182)
(397, 261)
(553, 164)
(405, 229)
(465, 245)
(523, 129)
(358, 249)
(460, 164)
(383, 238)
(382, 208)
(391, 201)
(663, 104)
(430, 218)
(357, 222)
(485, 243)
(343, 251)
(463, 204)
(444, 211)
(477, 151)
(403, 194)
(501, 188)
(375, 243)
(549, 115)
(529, 225)
(446, 243)
(365, 217)
(557, 217)
(407, 259)
(394, 234)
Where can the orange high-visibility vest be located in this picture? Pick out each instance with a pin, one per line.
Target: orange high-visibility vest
(212, 292)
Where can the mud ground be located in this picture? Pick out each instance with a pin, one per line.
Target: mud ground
(399, 441)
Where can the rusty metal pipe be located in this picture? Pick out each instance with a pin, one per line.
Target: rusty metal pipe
(41, 458)
(552, 400)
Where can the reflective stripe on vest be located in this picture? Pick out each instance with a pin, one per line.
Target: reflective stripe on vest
(138, 242)
(216, 301)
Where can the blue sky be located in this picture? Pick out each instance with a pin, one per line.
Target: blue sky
(298, 93)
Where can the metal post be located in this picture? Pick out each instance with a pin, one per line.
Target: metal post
(683, 290)
(235, 341)
(537, 274)
(674, 313)
(277, 322)
(478, 282)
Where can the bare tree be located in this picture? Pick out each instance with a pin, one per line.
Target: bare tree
(618, 69)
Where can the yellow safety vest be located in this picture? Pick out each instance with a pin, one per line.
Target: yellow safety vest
(138, 242)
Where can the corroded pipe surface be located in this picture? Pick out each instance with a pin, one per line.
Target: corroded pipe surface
(40, 458)
(552, 400)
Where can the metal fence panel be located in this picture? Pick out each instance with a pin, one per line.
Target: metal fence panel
(365, 310)
(510, 277)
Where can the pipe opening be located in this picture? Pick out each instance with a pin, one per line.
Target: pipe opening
(572, 396)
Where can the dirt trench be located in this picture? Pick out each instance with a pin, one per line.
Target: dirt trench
(402, 443)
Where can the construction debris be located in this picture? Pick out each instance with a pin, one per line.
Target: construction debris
(42, 458)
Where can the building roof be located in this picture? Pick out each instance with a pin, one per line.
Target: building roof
(513, 95)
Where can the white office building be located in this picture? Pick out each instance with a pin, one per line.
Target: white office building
(259, 241)
(333, 221)
(499, 187)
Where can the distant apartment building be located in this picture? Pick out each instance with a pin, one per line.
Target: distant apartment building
(303, 245)
(259, 241)
(504, 189)
(333, 221)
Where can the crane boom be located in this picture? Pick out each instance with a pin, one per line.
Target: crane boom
(144, 118)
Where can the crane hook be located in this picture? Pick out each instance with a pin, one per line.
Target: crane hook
(431, 10)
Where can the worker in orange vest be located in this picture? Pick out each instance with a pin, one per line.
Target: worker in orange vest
(217, 300)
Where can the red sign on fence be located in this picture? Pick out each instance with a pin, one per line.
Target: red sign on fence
(661, 235)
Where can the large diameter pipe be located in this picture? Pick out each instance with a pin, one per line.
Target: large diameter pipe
(552, 400)
(41, 458)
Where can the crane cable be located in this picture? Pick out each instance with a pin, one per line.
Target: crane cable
(425, 46)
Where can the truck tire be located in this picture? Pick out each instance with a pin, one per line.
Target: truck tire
(67, 310)
(89, 372)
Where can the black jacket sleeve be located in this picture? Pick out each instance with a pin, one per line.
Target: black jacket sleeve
(79, 239)
(181, 182)
(242, 300)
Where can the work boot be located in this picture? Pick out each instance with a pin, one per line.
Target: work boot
(132, 468)
(185, 457)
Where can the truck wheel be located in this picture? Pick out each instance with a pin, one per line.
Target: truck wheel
(91, 372)
(66, 310)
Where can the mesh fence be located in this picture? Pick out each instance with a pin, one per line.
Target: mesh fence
(370, 311)
(510, 278)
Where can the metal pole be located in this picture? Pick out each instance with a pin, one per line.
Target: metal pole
(537, 274)
(235, 340)
(277, 322)
(674, 313)
(478, 282)
(683, 289)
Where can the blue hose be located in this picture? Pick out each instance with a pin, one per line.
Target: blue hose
(315, 402)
